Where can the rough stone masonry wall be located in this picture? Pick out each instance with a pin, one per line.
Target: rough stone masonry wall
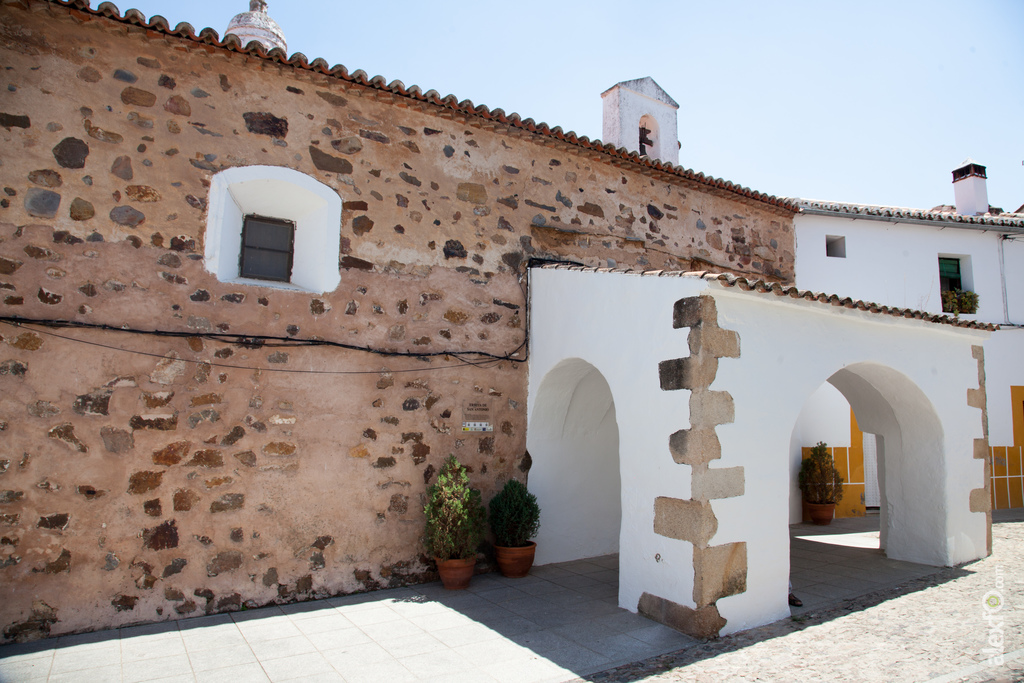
(146, 477)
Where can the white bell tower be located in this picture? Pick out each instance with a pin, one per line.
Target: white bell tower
(641, 117)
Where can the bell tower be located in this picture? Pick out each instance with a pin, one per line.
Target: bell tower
(640, 116)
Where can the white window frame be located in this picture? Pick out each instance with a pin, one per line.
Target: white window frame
(275, 192)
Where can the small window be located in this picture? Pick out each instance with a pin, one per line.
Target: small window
(950, 278)
(835, 246)
(313, 209)
(267, 248)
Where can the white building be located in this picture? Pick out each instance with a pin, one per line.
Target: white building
(906, 258)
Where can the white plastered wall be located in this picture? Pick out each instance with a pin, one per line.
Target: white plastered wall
(890, 369)
(579, 490)
(1004, 364)
(621, 325)
(896, 264)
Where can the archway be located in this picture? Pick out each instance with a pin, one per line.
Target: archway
(574, 442)
(910, 459)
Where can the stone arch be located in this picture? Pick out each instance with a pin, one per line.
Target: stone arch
(574, 443)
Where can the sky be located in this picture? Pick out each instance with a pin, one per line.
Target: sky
(868, 102)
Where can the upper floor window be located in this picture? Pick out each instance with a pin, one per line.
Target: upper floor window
(957, 284)
(835, 246)
(949, 274)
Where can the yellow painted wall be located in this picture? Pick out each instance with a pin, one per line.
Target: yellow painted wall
(1007, 465)
(850, 463)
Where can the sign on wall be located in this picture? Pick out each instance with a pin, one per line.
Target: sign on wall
(476, 416)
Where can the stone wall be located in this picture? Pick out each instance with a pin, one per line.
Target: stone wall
(147, 476)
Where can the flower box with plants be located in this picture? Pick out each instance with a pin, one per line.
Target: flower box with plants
(957, 301)
(821, 484)
(456, 522)
(515, 519)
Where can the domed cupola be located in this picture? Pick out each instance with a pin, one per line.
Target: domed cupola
(257, 25)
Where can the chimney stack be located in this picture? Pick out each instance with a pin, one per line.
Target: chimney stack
(970, 189)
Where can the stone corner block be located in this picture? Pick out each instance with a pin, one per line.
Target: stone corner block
(705, 622)
(695, 446)
(691, 311)
(978, 352)
(719, 571)
(710, 408)
(684, 520)
(981, 449)
(981, 500)
(976, 398)
(690, 373)
(711, 484)
(722, 343)
(672, 374)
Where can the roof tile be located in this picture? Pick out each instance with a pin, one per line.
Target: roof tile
(764, 287)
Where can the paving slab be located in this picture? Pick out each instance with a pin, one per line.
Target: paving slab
(892, 620)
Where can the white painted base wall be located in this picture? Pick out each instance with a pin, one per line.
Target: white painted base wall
(575, 474)
(906, 379)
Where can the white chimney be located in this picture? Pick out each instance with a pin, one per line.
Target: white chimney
(970, 189)
(641, 117)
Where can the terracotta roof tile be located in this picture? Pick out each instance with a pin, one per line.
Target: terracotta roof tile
(610, 153)
(1011, 221)
(764, 287)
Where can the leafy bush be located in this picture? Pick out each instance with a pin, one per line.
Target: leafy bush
(515, 515)
(456, 518)
(956, 301)
(820, 481)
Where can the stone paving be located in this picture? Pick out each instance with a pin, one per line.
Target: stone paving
(930, 629)
(889, 621)
(554, 625)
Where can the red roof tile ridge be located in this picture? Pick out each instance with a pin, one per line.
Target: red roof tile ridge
(231, 42)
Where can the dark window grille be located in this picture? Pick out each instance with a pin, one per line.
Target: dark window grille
(267, 248)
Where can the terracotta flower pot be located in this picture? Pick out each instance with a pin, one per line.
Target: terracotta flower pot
(821, 513)
(515, 563)
(455, 574)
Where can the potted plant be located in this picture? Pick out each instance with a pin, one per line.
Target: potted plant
(957, 301)
(515, 519)
(456, 521)
(821, 484)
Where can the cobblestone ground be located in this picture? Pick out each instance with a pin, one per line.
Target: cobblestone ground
(932, 630)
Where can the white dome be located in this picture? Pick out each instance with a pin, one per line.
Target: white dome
(257, 25)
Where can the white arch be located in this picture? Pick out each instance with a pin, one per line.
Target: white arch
(574, 443)
(911, 459)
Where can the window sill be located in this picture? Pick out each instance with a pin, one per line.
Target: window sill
(271, 284)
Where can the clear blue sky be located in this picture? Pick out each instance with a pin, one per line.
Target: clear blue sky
(870, 102)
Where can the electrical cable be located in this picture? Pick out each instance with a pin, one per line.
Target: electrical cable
(462, 361)
(473, 358)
